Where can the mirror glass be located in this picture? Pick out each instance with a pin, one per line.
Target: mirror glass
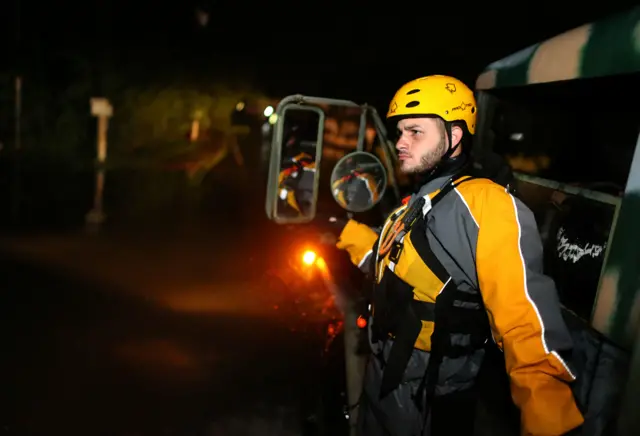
(358, 181)
(301, 127)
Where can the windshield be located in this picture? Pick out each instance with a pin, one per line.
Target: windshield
(581, 131)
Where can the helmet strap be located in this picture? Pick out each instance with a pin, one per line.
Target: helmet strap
(446, 157)
(451, 148)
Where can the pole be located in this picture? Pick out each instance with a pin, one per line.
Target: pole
(15, 197)
(101, 109)
(15, 206)
(354, 363)
(103, 124)
(18, 127)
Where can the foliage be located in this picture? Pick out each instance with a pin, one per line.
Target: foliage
(160, 116)
(153, 115)
(151, 125)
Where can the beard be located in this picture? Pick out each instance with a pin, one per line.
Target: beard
(429, 159)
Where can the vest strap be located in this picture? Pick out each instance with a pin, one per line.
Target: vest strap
(406, 333)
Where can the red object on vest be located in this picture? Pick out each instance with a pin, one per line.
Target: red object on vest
(405, 200)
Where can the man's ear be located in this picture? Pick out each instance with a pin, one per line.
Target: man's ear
(456, 135)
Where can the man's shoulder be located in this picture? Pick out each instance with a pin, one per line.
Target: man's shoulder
(482, 187)
(484, 197)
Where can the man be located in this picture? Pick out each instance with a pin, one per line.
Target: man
(475, 247)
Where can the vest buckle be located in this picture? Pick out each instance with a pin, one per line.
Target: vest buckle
(394, 253)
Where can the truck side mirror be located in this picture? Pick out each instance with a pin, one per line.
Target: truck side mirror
(296, 151)
(358, 181)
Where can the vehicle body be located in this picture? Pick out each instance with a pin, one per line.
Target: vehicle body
(340, 278)
(550, 109)
(563, 113)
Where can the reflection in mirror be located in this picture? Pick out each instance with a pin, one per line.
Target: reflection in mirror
(358, 181)
(296, 179)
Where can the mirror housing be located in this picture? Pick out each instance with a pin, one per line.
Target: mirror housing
(331, 146)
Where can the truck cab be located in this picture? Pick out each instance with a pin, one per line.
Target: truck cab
(563, 113)
(342, 165)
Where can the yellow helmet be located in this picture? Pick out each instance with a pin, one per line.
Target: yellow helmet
(444, 96)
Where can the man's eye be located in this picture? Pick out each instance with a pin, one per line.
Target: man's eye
(415, 132)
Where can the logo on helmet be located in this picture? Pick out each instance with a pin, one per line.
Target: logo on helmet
(463, 106)
(451, 87)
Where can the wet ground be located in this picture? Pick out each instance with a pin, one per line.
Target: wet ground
(88, 353)
(153, 331)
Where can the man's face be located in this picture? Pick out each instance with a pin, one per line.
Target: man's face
(422, 143)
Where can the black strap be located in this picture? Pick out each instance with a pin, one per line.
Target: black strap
(450, 319)
(400, 353)
(396, 312)
(450, 316)
(439, 336)
(406, 335)
(414, 215)
(424, 310)
(415, 210)
(448, 186)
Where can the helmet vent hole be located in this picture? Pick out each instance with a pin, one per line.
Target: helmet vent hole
(473, 110)
(413, 91)
(413, 103)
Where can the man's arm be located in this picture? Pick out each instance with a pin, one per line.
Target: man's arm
(525, 315)
(358, 240)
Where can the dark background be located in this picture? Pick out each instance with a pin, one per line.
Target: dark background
(182, 315)
(353, 49)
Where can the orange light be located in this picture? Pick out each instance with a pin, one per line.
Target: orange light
(309, 257)
(361, 322)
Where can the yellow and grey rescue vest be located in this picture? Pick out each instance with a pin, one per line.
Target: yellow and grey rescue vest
(415, 300)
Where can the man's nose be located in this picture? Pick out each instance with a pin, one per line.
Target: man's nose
(401, 143)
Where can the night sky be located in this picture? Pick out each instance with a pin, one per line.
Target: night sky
(347, 49)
